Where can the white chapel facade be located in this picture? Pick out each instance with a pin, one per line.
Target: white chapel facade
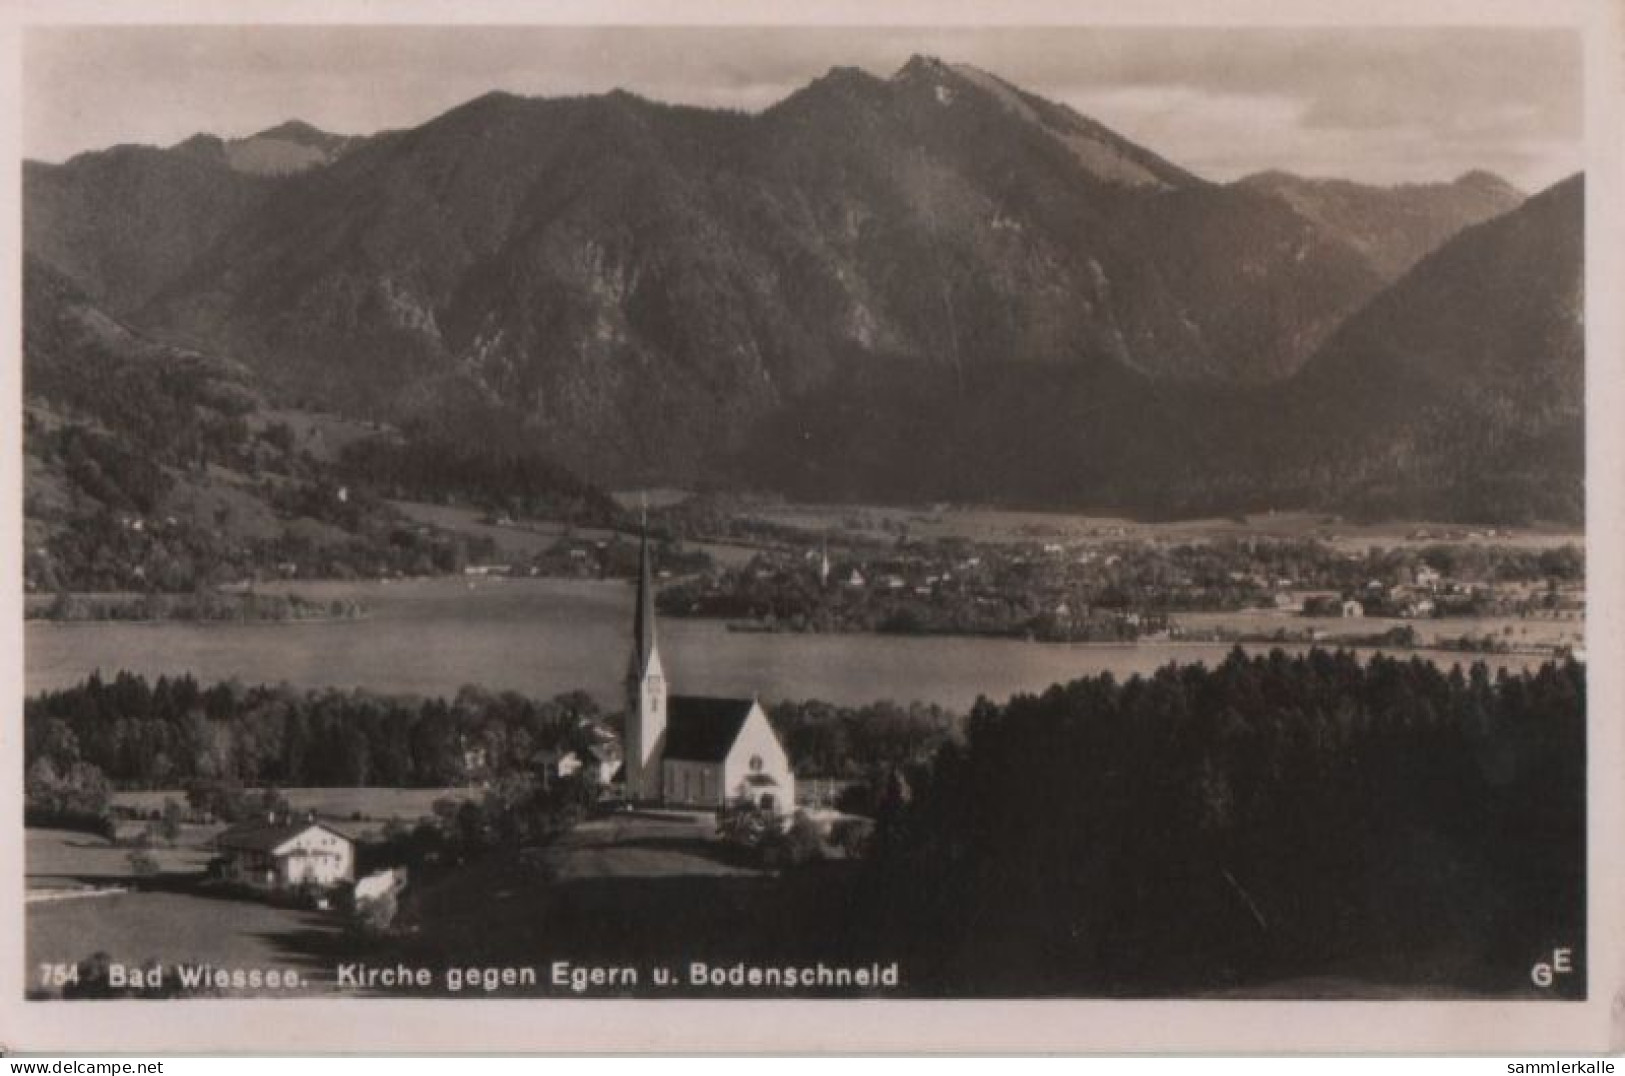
(694, 751)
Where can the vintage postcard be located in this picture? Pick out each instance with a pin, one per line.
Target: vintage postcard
(893, 526)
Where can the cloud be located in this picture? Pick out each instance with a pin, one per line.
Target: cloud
(1218, 133)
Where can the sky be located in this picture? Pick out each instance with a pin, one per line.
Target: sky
(1376, 105)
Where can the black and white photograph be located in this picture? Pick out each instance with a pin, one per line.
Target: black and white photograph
(889, 512)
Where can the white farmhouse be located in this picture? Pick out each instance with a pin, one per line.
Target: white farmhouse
(281, 855)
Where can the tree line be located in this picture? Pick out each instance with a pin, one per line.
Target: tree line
(512, 478)
(243, 606)
(827, 740)
(172, 731)
(1269, 817)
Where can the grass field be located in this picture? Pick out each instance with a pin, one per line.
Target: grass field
(514, 540)
(66, 859)
(173, 927)
(340, 805)
(531, 537)
(1002, 525)
(620, 846)
(1513, 631)
(162, 917)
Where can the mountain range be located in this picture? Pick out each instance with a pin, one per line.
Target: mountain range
(1391, 227)
(929, 285)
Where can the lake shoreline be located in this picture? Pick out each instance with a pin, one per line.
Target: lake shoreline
(541, 637)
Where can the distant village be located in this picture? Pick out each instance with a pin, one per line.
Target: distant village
(1106, 589)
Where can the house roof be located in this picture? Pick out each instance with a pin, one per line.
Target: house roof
(266, 836)
(702, 729)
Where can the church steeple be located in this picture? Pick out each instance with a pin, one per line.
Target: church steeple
(645, 690)
(643, 619)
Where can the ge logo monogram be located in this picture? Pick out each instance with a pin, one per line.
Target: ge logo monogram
(1545, 972)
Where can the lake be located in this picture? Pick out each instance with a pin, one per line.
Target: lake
(546, 636)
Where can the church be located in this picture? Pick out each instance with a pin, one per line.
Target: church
(692, 751)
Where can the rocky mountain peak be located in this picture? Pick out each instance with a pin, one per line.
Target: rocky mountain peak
(1487, 182)
(920, 66)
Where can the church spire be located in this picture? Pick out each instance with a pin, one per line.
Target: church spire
(645, 691)
(643, 620)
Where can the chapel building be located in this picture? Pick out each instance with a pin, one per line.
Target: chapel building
(693, 751)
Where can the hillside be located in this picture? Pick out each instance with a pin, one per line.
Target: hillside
(635, 287)
(124, 222)
(929, 285)
(1457, 392)
(1392, 227)
(1463, 385)
(153, 467)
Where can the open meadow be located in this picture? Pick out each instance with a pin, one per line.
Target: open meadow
(63, 859)
(357, 812)
(980, 524)
(86, 898)
(175, 927)
(1512, 633)
(521, 540)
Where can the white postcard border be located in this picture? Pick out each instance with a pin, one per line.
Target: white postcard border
(1162, 1027)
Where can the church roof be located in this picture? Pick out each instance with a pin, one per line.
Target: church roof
(700, 729)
